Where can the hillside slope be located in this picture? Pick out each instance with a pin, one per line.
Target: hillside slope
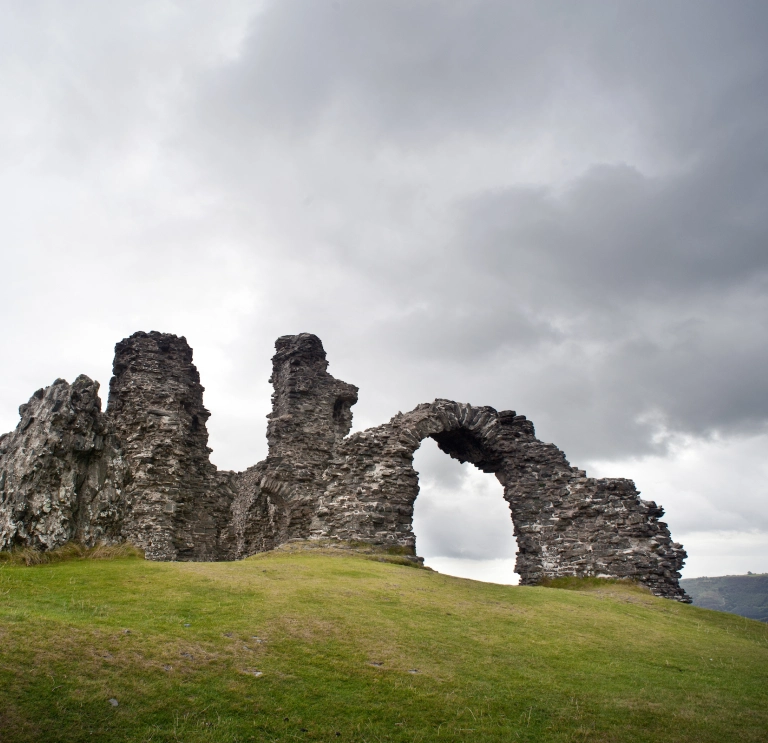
(746, 595)
(308, 646)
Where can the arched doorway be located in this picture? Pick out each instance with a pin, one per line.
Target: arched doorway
(461, 521)
(371, 486)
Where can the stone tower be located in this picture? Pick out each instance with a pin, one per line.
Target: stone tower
(311, 414)
(176, 506)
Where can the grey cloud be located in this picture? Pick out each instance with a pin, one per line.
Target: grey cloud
(694, 72)
(411, 72)
(700, 489)
(662, 281)
(386, 68)
(620, 306)
(616, 232)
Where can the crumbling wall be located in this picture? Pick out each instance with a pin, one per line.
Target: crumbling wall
(139, 472)
(311, 415)
(60, 476)
(565, 523)
(177, 505)
(142, 472)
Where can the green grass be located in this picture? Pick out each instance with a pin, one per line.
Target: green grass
(71, 551)
(336, 639)
(572, 583)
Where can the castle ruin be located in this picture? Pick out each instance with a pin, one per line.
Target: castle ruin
(141, 472)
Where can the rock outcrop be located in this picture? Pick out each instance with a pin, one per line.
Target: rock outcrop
(141, 472)
(60, 475)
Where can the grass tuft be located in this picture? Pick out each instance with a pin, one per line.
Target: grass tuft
(396, 560)
(399, 550)
(113, 552)
(29, 556)
(395, 555)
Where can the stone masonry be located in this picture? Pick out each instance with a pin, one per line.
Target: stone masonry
(141, 472)
(177, 506)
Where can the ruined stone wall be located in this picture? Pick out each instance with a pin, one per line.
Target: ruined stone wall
(370, 484)
(311, 414)
(141, 472)
(60, 476)
(177, 507)
(565, 523)
(569, 524)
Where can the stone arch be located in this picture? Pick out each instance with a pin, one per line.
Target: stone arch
(371, 485)
(318, 482)
(565, 523)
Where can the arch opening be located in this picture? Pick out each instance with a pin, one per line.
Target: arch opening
(461, 521)
(465, 446)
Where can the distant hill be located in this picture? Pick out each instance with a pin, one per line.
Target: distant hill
(746, 595)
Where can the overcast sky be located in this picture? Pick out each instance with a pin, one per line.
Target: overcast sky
(556, 207)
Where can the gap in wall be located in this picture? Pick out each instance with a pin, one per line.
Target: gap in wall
(461, 521)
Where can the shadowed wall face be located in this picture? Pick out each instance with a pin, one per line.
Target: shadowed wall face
(311, 410)
(311, 415)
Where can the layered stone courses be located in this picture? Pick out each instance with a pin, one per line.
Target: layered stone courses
(141, 472)
(177, 505)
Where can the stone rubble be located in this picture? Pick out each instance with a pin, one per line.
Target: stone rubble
(141, 472)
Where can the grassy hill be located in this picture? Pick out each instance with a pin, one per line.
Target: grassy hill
(303, 645)
(746, 595)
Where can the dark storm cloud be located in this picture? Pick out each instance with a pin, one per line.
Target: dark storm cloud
(639, 296)
(389, 68)
(615, 231)
(662, 280)
(423, 69)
